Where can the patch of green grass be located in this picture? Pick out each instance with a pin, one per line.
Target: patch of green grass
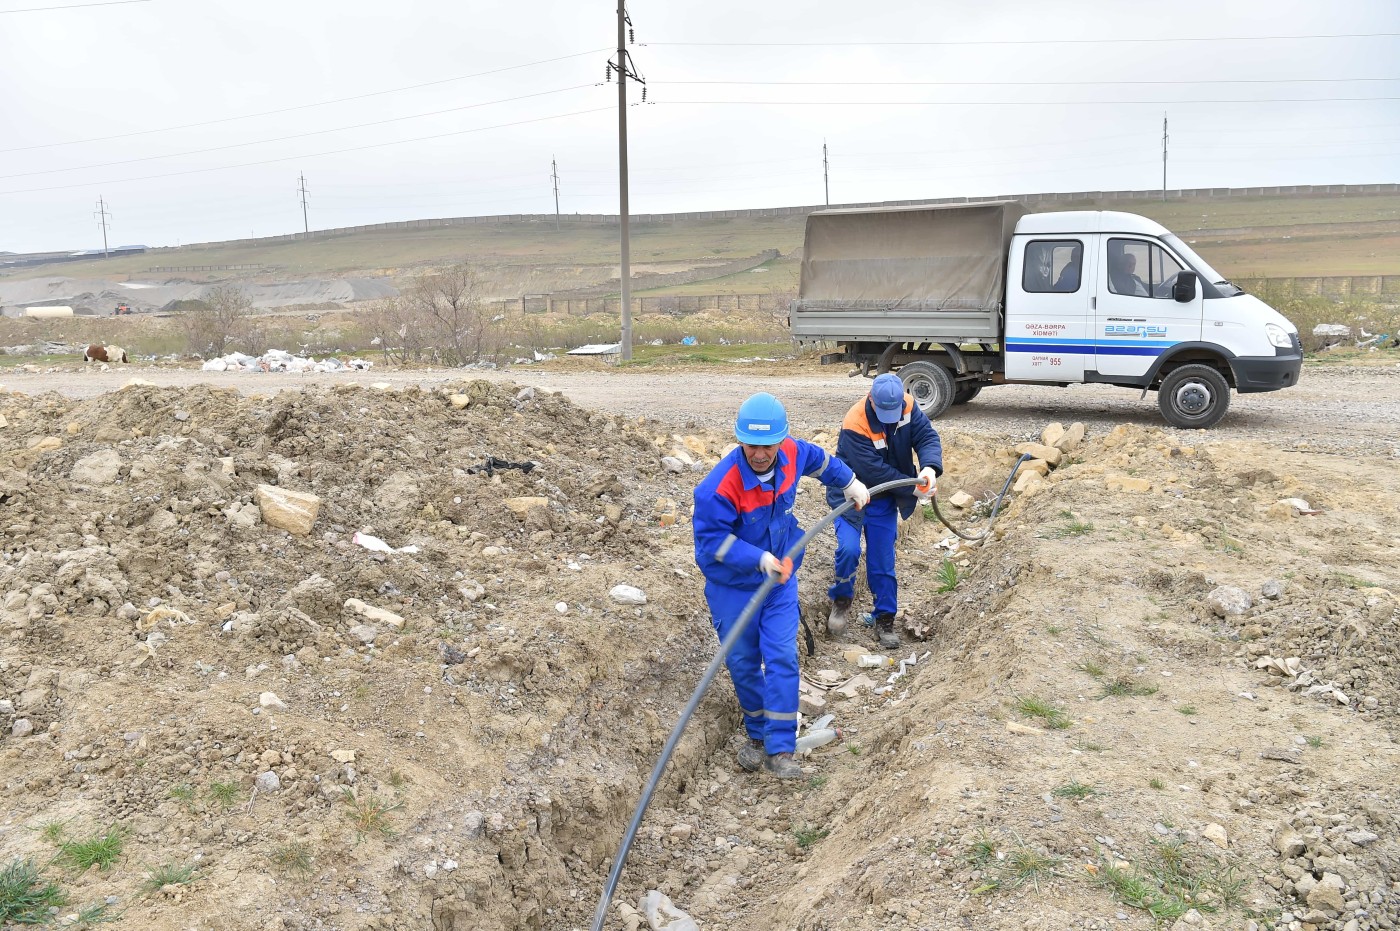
(94, 914)
(101, 850)
(226, 794)
(1075, 528)
(1009, 868)
(1054, 630)
(1187, 710)
(183, 793)
(1350, 581)
(816, 782)
(807, 836)
(370, 815)
(25, 896)
(1033, 707)
(1172, 879)
(1156, 783)
(52, 831)
(397, 780)
(1074, 789)
(1090, 746)
(1314, 742)
(1125, 686)
(948, 576)
(983, 850)
(1137, 892)
(1092, 668)
(167, 875)
(1028, 865)
(294, 858)
(853, 749)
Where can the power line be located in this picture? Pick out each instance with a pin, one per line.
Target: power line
(1115, 41)
(317, 132)
(288, 158)
(1011, 103)
(305, 106)
(1025, 83)
(73, 6)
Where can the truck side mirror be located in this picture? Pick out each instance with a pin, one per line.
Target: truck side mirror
(1184, 288)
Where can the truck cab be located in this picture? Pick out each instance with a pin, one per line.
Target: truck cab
(1115, 298)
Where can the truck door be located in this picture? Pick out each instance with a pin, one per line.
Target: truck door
(1048, 286)
(1135, 317)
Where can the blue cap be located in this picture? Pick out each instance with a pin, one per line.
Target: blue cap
(887, 397)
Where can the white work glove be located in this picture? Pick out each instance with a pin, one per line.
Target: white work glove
(930, 480)
(856, 493)
(780, 569)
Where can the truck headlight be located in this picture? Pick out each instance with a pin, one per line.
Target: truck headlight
(1278, 336)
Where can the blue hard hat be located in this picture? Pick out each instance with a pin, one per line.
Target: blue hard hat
(762, 421)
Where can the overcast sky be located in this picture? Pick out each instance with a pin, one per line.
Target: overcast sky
(98, 101)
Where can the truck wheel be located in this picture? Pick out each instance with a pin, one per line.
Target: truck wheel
(931, 385)
(966, 393)
(1194, 397)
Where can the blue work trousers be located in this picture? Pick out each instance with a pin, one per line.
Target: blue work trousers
(880, 524)
(763, 663)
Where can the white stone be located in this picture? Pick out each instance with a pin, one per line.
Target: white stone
(371, 613)
(1215, 833)
(270, 700)
(1229, 601)
(365, 633)
(268, 782)
(627, 595)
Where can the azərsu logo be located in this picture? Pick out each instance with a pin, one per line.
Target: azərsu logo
(759, 427)
(1148, 331)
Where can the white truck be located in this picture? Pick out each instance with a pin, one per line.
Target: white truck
(955, 298)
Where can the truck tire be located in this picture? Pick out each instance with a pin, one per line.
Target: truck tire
(931, 385)
(966, 393)
(1194, 397)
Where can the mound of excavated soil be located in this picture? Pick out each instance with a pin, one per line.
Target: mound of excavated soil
(1159, 687)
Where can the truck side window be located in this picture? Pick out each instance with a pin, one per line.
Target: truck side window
(1140, 269)
(1052, 266)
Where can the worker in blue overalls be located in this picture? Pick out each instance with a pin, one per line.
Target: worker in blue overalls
(880, 436)
(743, 525)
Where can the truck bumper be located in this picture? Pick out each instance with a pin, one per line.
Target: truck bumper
(1267, 373)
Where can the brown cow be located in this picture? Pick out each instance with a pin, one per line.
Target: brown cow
(98, 353)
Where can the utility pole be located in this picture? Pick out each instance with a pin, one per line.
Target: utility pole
(625, 70)
(826, 176)
(305, 223)
(1164, 156)
(554, 173)
(102, 213)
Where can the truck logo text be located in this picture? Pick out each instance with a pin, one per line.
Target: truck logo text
(1148, 331)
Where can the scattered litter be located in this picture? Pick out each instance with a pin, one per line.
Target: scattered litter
(688, 341)
(1300, 679)
(371, 542)
(661, 915)
(1299, 506)
(279, 360)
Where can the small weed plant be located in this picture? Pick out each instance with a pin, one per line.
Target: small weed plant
(101, 850)
(1125, 686)
(295, 859)
(1074, 789)
(370, 815)
(225, 794)
(1188, 710)
(1033, 707)
(948, 576)
(167, 875)
(807, 835)
(25, 896)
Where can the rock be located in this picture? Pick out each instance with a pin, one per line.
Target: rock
(1038, 466)
(627, 595)
(1072, 437)
(292, 511)
(46, 444)
(525, 394)
(672, 464)
(1127, 483)
(1215, 833)
(7, 707)
(459, 401)
(244, 516)
(1015, 727)
(1229, 601)
(23, 727)
(1052, 433)
(524, 504)
(343, 756)
(268, 782)
(1281, 754)
(681, 832)
(376, 615)
(1027, 479)
(662, 915)
(811, 705)
(1362, 838)
(1328, 894)
(100, 468)
(962, 500)
(270, 701)
(1288, 842)
(858, 684)
(1050, 454)
(1273, 589)
(365, 633)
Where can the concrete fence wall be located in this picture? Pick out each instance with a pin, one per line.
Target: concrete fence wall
(1338, 286)
(673, 304)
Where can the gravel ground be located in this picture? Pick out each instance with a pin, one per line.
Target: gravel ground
(1339, 409)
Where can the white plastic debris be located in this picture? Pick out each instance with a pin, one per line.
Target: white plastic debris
(662, 915)
(371, 542)
(279, 360)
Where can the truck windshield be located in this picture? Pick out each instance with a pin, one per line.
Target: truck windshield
(1201, 266)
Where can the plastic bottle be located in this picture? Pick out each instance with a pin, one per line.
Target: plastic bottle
(874, 661)
(820, 738)
(821, 722)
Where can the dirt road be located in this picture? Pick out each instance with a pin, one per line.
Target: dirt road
(1336, 409)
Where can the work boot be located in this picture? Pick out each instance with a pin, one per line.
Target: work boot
(884, 629)
(839, 617)
(783, 766)
(751, 755)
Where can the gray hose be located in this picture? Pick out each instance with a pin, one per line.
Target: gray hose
(712, 670)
